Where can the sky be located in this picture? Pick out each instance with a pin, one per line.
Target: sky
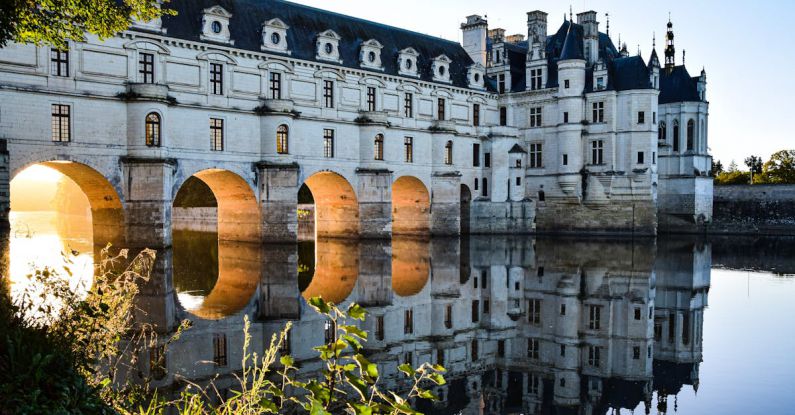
(745, 47)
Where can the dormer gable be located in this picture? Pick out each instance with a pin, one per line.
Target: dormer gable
(154, 25)
(441, 68)
(600, 76)
(407, 62)
(215, 25)
(475, 76)
(370, 55)
(328, 43)
(274, 36)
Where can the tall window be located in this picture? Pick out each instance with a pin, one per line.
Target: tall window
(641, 117)
(476, 115)
(566, 117)
(276, 85)
(217, 78)
(282, 139)
(378, 150)
(597, 152)
(379, 328)
(534, 311)
(535, 79)
(486, 160)
(475, 311)
(146, 67)
(676, 135)
(328, 93)
(448, 316)
(532, 348)
(408, 147)
(408, 105)
(485, 189)
(475, 155)
(448, 153)
(474, 350)
(691, 134)
(440, 109)
(641, 157)
(61, 123)
(535, 117)
(533, 383)
(536, 156)
(501, 83)
(216, 134)
(219, 349)
(153, 129)
(328, 143)
(59, 62)
(661, 132)
(408, 321)
(370, 98)
(594, 317)
(600, 83)
(503, 116)
(598, 112)
(594, 356)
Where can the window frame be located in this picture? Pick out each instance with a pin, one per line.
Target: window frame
(59, 62)
(598, 114)
(275, 85)
(536, 155)
(146, 67)
(328, 93)
(448, 153)
(476, 115)
(408, 105)
(153, 129)
(408, 149)
(535, 117)
(216, 134)
(216, 78)
(597, 152)
(378, 147)
(328, 143)
(441, 112)
(371, 99)
(283, 139)
(475, 154)
(61, 123)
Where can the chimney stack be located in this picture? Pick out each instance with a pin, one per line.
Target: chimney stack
(590, 35)
(537, 28)
(474, 40)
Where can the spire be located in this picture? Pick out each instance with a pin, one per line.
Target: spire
(571, 46)
(670, 51)
(683, 56)
(607, 32)
(571, 13)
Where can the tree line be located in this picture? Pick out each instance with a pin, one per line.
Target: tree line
(778, 169)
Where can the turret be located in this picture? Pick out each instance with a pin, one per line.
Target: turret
(571, 66)
(474, 39)
(590, 35)
(702, 85)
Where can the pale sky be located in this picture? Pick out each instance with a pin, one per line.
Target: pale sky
(745, 47)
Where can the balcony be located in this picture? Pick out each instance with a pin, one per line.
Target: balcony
(443, 126)
(275, 106)
(372, 117)
(141, 91)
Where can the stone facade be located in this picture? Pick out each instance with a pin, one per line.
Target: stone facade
(754, 209)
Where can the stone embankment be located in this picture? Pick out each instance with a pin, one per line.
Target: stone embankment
(753, 209)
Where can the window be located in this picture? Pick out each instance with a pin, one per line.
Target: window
(440, 109)
(661, 136)
(487, 160)
(329, 331)
(408, 145)
(448, 316)
(408, 358)
(565, 117)
(486, 307)
(501, 83)
(594, 317)
(593, 356)
(518, 163)
(217, 78)
(440, 357)
(408, 321)
(676, 135)
(636, 353)
(146, 67)
(671, 327)
(474, 350)
(328, 93)
(563, 309)
(503, 116)
(565, 159)
(598, 112)
(475, 155)
(532, 348)
(408, 105)
(534, 311)
(600, 83)
(562, 382)
(536, 79)
(153, 129)
(61, 123)
(536, 160)
(370, 98)
(476, 183)
(216, 134)
(276, 85)
(378, 150)
(562, 350)
(597, 152)
(219, 349)
(448, 153)
(648, 352)
(653, 157)
(475, 311)
(484, 279)
(691, 134)
(654, 117)
(640, 157)
(485, 190)
(641, 117)
(328, 143)
(541, 196)
(566, 84)
(637, 313)
(59, 62)
(518, 181)
(533, 383)
(535, 117)
(282, 139)
(476, 115)
(501, 348)
(540, 272)
(379, 328)
(475, 282)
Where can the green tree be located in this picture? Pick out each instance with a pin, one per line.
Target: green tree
(754, 164)
(780, 168)
(717, 168)
(54, 22)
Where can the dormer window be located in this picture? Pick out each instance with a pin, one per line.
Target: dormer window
(328, 46)
(475, 75)
(370, 55)
(215, 25)
(407, 62)
(600, 83)
(441, 69)
(274, 36)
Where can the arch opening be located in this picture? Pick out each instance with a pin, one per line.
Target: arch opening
(411, 265)
(411, 207)
(328, 268)
(331, 201)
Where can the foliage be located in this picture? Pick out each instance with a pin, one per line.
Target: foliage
(754, 164)
(55, 22)
(733, 177)
(779, 169)
(717, 168)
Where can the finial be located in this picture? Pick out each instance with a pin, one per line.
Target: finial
(571, 13)
(638, 49)
(683, 56)
(653, 40)
(607, 15)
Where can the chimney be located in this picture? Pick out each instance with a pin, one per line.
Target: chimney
(514, 38)
(497, 35)
(590, 35)
(537, 27)
(474, 43)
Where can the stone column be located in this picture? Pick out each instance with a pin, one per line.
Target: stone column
(279, 294)
(446, 203)
(375, 203)
(278, 201)
(374, 284)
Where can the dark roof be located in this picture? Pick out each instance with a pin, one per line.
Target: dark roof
(516, 149)
(307, 22)
(678, 86)
(629, 73)
(572, 46)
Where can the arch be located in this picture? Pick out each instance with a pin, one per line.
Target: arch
(147, 45)
(378, 147)
(411, 265)
(691, 134)
(336, 270)
(283, 139)
(411, 207)
(336, 205)
(466, 200)
(153, 129)
(217, 55)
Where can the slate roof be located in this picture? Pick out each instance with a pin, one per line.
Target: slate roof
(517, 149)
(572, 46)
(307, 22)
(678, 86)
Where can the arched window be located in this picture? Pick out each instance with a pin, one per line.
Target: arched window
(661, 133)
(282, 139)
(691, 134)
(448, 153)
(153, 129)
(379, 147)
(676, 135)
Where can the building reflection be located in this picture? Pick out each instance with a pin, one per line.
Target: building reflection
(523, 325)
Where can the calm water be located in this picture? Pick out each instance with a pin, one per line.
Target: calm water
(524, 325)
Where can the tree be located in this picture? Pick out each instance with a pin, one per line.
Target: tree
(780, 168)
(717, 168)
(754, 164)
(55, 22)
